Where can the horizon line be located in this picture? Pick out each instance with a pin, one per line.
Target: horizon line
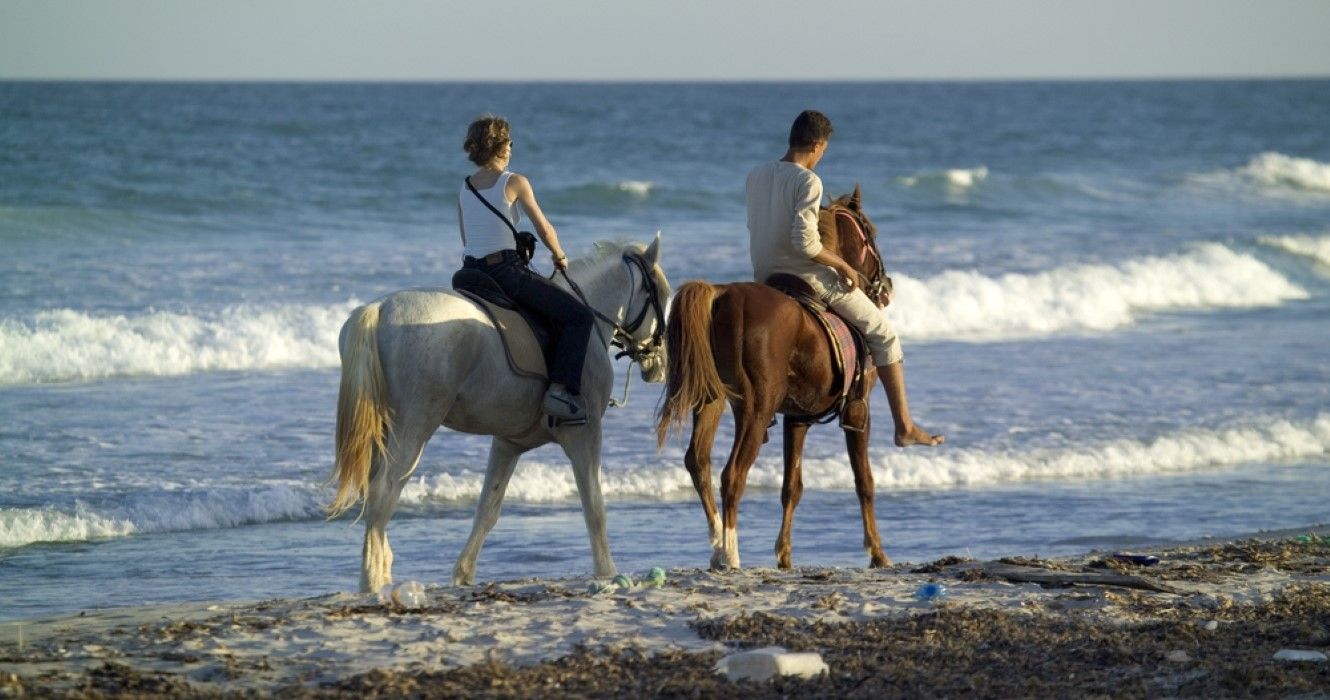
(680, 80)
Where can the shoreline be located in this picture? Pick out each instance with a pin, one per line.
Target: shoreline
(1206, 619)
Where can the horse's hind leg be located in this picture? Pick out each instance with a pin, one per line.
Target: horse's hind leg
(698, 461)
(856, 442)
(503, 459)
(750, 428)
(582, 445)
(792, 487)
(387, 478)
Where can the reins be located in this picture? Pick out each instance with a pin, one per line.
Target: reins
(867, 246)
(622, 337)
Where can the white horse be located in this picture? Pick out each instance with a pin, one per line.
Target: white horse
(417, 359)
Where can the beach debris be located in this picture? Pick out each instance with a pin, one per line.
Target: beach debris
(1210, 625)
(1066, 579)
(408, 595)
(1137, 559)
(1312, 538)
(655, 577)
(1299, 655)
(930, 591)
(1178, 656)
(599, 587)
(768, 662)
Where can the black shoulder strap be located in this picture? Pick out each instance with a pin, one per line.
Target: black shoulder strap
(487, 204)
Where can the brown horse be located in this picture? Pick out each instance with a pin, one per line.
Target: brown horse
(758, 348)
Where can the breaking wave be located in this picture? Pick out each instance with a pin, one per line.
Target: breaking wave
(68, 345)
(1276, 173)
(969, 305)
(1315, 247)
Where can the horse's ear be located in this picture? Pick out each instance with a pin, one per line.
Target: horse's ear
(855, 199)
(653, 251)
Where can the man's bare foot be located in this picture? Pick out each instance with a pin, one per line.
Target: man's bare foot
(916, 436)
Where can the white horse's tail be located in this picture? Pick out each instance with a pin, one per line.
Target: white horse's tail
(363, 418)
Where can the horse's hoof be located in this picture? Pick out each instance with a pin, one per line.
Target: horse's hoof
(879, 562)
(721, 564)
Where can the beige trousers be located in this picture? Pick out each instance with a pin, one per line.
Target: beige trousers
(856, 308)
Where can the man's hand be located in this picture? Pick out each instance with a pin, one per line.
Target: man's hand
(560, 261)
(848, 275)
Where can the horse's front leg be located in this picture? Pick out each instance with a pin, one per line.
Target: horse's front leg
(698, 462)
(856, 443)
(792, 486)
(503, 459)
(582, 445)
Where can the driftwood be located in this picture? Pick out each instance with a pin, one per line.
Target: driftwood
(1057, 579)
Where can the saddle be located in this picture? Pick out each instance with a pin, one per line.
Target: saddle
(527, 339)
(849, 355)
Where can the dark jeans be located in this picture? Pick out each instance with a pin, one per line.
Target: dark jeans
(569, 319)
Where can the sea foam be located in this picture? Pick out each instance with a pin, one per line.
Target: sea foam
(1315, 247)
(1262, 439)
(1287, 171)
(1274, 174)
(217, 507)
(959, 305)
(954, 178)
(69, 345)
(664, 479)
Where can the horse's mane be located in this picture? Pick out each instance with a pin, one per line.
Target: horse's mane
(601, 251)
(842, 201)
(610, 252)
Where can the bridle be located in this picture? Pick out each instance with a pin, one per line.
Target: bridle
(879, 284)
(624, 336)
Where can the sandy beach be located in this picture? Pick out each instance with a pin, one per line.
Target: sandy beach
(1207, 620)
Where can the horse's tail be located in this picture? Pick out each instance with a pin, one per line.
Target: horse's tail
(691, 379)
(363, 419)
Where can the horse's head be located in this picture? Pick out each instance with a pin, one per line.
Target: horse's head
(646, 327)
(629, 290)
(846, 229)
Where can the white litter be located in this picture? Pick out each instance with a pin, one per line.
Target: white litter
(765, 663)
(1299, 655)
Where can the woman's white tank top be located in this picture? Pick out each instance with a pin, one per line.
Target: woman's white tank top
(482, 232)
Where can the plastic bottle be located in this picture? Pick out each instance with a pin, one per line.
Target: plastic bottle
(623, 581)
(409, 595)
(930, 591)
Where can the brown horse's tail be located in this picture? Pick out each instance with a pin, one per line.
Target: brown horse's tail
(691, 379)
(363, 419)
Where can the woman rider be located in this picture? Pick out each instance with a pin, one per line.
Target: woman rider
(491, 247)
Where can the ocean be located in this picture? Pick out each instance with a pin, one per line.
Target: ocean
(1114, 299)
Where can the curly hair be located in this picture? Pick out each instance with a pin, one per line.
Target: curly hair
(485, 138)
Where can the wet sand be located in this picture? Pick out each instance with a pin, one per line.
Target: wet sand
(1207, 620)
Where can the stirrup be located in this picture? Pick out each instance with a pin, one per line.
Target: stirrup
(556, 422)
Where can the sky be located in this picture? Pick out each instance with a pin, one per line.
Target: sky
(520, 40)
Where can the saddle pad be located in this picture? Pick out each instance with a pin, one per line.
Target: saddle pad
(842, 339)
(519, 343)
